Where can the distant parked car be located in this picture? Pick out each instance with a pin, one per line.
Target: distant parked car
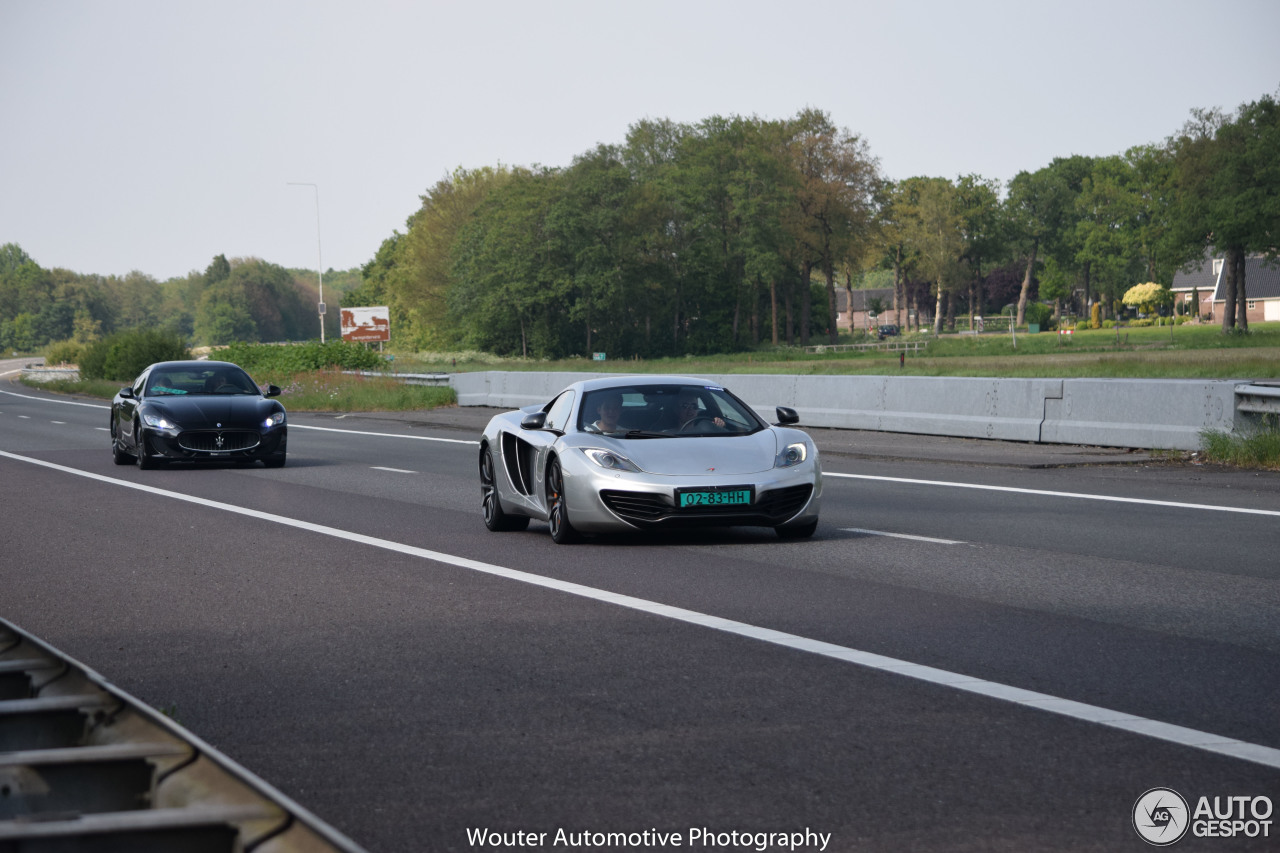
(888, 331)
(197, 411)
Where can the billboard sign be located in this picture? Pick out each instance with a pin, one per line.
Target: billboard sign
(363, 325)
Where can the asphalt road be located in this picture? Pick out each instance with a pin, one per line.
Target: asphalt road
(347, 629)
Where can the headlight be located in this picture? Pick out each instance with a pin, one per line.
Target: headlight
(274, 419)
(609, 459)
(792, 454)
(159, 421)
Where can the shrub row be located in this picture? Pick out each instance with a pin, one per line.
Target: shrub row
(295, 358)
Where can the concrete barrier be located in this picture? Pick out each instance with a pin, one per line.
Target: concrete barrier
(1166, 414)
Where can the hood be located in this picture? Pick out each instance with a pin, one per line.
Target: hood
(200, 412)
(727, 455)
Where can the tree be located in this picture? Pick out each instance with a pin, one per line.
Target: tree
(834, 203)
(933, 228)
(983, 231)
(1147, 297)
(1226, 181)
(1038, 203)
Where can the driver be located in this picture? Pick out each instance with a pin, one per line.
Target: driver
(688, 411)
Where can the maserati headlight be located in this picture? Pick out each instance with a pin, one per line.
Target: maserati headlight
(792, 454)
(609, 459)
(274, 419)
(159, 421)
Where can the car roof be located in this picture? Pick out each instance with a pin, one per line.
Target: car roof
(630, 380)
(193, 364)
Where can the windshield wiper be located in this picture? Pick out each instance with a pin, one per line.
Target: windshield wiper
(641, 433)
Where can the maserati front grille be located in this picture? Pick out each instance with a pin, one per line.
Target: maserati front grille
(218, 441)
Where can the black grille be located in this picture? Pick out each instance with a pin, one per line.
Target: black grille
(784, 503)
(218, 441)
(637, 506)
(646, 508)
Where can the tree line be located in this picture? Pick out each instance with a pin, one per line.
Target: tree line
(243, 299)
(720, 235)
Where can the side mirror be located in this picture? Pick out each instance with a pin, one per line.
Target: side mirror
(126, 393)
(537, 420)
(787, 416)
(272, 391)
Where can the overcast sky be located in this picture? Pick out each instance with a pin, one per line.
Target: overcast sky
(153, 136)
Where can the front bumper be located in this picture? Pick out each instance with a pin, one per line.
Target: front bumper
(609, 501)
(216, 445)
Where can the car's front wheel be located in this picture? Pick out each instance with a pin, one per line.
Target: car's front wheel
(118, 453)
(495, 517)
(562, 532)
(274, 461)
(145, 460)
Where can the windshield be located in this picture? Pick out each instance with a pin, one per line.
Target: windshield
(665, 411)
(178, 381)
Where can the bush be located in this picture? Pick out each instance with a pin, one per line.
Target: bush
(124, 355)
(295, 358)
(63, 352)
(1040, 314)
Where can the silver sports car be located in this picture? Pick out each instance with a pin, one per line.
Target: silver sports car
(647, 452)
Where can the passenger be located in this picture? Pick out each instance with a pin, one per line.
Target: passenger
(609, 409)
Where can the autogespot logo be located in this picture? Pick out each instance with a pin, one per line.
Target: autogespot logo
(1160, 816)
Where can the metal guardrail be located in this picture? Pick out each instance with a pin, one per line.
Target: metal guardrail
(86, 767)
(1258, 398)
(406, 378)
(888, 346)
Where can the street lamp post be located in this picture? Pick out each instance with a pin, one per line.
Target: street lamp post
(319, 256)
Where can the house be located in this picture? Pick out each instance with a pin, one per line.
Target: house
(862, 300)
(1208, 283)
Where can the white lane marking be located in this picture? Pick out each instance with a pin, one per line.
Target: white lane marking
(384, 434)
(392, 470)
(49, 400)
(1052, 494)
(902, 536)
(1180, 735)
(59, 423)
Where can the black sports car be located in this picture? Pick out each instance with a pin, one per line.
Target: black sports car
(197, 411)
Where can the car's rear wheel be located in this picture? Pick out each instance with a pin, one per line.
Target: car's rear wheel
(796, 531)
(495, 517)
(562, 532)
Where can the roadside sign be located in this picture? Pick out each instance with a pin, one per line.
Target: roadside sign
(364, 325)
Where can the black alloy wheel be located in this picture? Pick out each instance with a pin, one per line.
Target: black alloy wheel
(562, 532)
(118, 453)
(145, 460)
(495, 517)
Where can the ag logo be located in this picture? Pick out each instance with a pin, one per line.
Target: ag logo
(1160, 816)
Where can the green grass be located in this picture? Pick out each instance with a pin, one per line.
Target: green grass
(1181, 352)
(1257, 449)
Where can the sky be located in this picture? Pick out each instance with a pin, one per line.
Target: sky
(153, 136)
